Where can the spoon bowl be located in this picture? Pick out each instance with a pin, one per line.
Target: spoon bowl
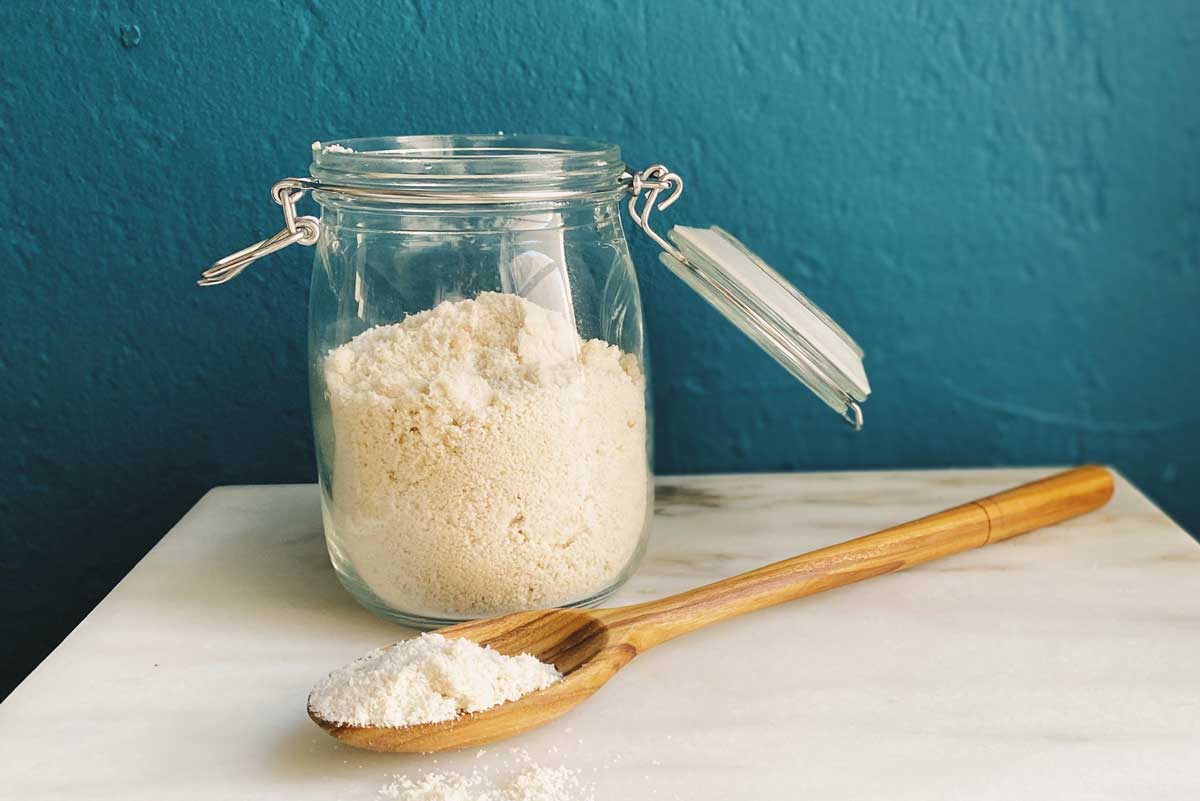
(589, 646)
(578, 642)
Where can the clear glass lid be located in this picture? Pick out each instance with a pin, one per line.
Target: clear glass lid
(773, 313)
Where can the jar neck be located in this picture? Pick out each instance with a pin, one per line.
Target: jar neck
(359, 217)
(464, 170)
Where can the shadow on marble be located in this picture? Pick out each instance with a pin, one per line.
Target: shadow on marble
(305, 752)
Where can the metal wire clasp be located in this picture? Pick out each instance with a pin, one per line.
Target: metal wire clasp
(301, 230)
(646, 187)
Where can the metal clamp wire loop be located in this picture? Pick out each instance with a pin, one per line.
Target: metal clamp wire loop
(307, 231)
(652, 182)
(853, 415)
(296, 230)
(287, 194)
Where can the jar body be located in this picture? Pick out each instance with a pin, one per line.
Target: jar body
(480, 405)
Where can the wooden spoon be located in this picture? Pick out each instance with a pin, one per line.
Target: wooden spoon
(589, 646)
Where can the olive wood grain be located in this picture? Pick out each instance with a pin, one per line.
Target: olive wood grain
(589, 646)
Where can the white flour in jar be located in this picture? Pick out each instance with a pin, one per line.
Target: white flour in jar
(486, 459)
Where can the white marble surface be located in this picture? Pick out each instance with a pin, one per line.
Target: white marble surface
(1060, 665)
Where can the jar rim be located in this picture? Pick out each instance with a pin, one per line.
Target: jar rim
(470, 163)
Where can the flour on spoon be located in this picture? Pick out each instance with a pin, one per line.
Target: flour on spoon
(427, 679)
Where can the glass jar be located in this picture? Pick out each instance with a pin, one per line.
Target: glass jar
(478, 372)
(478, 375)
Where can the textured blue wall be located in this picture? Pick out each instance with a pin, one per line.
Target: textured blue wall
(1001, 201)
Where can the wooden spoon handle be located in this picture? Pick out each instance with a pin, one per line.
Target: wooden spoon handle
(996, 517)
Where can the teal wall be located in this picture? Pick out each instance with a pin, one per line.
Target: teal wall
(1000, 201)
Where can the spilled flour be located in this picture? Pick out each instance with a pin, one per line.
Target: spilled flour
(486, 459)
(531, 783)
(426, 680)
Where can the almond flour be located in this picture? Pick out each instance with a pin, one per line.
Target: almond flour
(486, 459)
(533, 783)
(427, 679)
